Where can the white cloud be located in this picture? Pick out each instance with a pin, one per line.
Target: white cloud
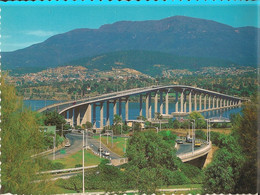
(41, 33)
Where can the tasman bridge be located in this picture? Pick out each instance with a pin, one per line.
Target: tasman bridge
(186, 100)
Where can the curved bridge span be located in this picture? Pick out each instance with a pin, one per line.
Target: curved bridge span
(187, 99)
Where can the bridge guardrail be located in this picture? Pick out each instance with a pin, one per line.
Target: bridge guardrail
(186, 156)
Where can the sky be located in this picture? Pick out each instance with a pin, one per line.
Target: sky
(22, 26)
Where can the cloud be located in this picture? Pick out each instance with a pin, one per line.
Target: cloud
(41, 33)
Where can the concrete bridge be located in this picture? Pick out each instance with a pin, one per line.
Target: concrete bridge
(186, 100)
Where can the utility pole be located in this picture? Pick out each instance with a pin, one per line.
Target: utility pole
(83, 163)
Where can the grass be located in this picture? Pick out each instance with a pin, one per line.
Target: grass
(118, 144)
(76, 158)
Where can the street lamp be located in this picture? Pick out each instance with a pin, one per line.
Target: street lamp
(107, 131)
(83, 160)
(193, 134)
(208, 129)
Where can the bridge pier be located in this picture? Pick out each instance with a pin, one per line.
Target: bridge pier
(176, 102)
(167, 103)
(182, 100)
(101, 115)
(147, 106)
(126, 108)
(107, 115)
(185, 103)
(195, 102)
(120, 108)
(209, 106)
(200, 102)
(114, 107)
(94, 116)
(161, 102)
(141, 105)
(156, 102)
(77, 113)
(205, 102)
(190, 104)
(87, 115)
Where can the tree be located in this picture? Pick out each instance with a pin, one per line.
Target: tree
(176, 124)
(199, 120)
(150, 159)
(20, 139)
(53, 118)
(245, 128)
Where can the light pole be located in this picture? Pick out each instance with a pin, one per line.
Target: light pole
(83, 159)
(107, 131)
(125, 145)
(208, 129)
(193, 134)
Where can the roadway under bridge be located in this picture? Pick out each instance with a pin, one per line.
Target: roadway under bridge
(187, 99)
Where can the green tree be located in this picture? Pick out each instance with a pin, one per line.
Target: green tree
(176, 124)
(20, 139)
(199, 120)
(150, 158)
(53, 118)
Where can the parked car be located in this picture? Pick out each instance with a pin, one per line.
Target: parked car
(100, 149)
(197, 144)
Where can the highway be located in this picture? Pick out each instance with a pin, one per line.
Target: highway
(76, 145)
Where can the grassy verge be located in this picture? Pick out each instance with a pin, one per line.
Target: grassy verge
(76, 158)
(185, 131)
(118, 144)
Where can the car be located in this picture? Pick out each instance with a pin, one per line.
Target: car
(67, 144)
(189, 140)
(179, 141)
(100, 149)
(106, 153)
(197, 144)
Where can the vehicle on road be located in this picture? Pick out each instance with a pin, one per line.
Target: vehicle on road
(67, 144)
(189, 140)
(100, 149)
(106, 153)
(197, 144)
(179, 141)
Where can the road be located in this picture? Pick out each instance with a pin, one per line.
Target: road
(186, 148)
(76, 145)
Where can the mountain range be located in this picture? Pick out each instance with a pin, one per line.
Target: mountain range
(183, 38)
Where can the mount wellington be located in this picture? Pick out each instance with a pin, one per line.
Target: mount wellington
(150, 47)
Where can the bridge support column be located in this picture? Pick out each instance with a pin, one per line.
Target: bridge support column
(213, 102)
(185, 103)
(239, 102)
(72, 118)
(205, 102)
(141, 105)
(220, 102)
(126, 108)
(224, 103)
(150, 106)
(156, 102)
(86, 114)
(94, 116)
(77, 113)
(195, 101)
(190, 103)
(200, 102)
(167, 103)
(217, 102)
(147, 106)
(120, 108)
(182, 100)
(114, 107)
(161, 102)
(107, 115)
(176, 102)
(209, 103)
(101, 115)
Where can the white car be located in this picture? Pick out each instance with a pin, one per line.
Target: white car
(67, 144)
(106, 153)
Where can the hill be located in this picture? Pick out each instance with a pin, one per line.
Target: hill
(178, 35)
(147, 62)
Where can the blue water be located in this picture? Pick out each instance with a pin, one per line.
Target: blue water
(133, 110)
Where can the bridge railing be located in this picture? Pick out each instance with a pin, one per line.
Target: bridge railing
(196, 153)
